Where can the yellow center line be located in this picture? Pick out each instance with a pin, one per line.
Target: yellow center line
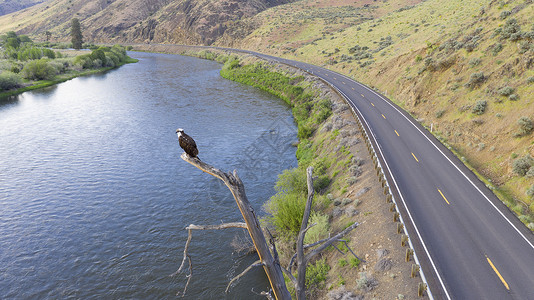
(443, 196)
(343, 82)
(362, 95)
(383, 116)
(498, 274)
(415, 157)
(397, 133)
(372, 104)
(353, 89)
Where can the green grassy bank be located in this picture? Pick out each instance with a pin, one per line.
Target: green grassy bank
(61, 78)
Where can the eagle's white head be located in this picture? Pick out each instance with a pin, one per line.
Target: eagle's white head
(179, 132)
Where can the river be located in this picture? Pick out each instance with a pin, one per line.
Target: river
(94, 197)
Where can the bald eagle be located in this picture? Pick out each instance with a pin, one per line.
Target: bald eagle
(187, 143)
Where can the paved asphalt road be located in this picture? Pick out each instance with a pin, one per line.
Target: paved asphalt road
(469, 244)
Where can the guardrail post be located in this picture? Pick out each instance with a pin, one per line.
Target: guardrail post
(415, 270)
(421, 290)
(400, 228)
(409, 254)
(404, 240)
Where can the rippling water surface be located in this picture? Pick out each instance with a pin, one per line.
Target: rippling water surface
(94, 196)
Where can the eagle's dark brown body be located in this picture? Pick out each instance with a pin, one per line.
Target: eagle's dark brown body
(187, 143)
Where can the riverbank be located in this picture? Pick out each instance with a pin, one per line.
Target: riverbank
(347, 183)
(46, 72)
(59, 79)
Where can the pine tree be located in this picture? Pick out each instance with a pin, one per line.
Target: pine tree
(76, 34)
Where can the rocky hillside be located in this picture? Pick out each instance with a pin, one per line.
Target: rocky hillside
(9, 6)
(156, 21)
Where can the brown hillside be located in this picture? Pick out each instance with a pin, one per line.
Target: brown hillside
(9, 6)
(187, 21)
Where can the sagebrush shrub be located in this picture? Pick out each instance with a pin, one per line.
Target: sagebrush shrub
(526, 126)
(475, 61)
(506, 91)
(522, 165)
(480, 107)
(476, 79)
(319, 231)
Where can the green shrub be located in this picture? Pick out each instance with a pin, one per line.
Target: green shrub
(506, 91)
(525, 125)
(480, 107)
(84, 61)
(304, 131)
(476, 79)
(98, 54)
(513, 97)
(120, 51)
(530, 192)
(505, 14)
(287, 206)
(319, 231)
(522, 165)
(320, 166)
(292, 180)
(342, 262)
(305, 152)
(510, 30)
(530, 79)
(475, 61)
(9, 80)
(497, 48)
(287, 210)
(38, 70)
(321, 183)
(440, 113)
(354, 262)
(316, 273)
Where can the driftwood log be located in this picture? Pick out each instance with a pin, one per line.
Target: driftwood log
(235, 185)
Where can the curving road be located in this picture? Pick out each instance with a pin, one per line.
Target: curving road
(469, 244)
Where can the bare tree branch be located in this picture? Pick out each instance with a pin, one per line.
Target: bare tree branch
(189, 237)
(236, 187)
(215, 227)
(329, 242)
(301, 259)
(188, 276)
(255, 264)
(347, 245)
